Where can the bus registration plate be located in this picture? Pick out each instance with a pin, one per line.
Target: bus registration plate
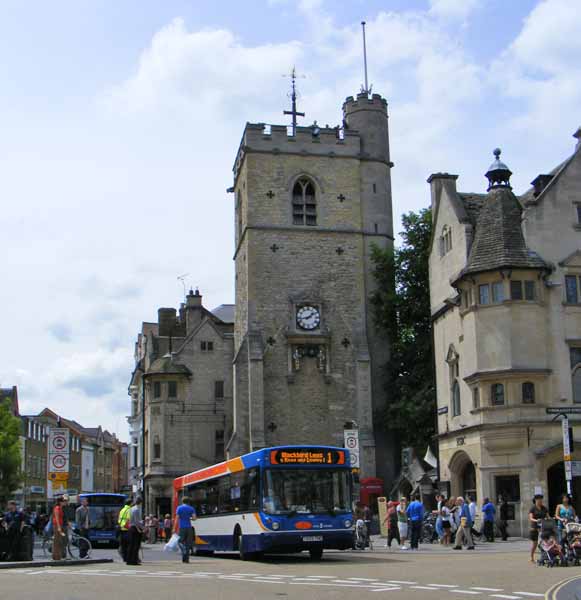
(312, 538)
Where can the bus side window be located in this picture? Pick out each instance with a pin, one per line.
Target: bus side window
(213, 498)
(224, 491)
(236, 479)
(198, 495)
(249, 492)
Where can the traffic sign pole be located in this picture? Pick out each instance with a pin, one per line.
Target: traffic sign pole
(567, 453)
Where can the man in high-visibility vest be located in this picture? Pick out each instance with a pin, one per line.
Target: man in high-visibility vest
(123, 522)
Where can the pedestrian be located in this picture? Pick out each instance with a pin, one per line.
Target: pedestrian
(123, 524)
(391, 522)
(463, 533)
(537, 513)
(14, 522)
(563, 514)
(185, 514)
(473, 509)
(153, 525)
(503, 509)
(488, 512)
(59, 528)
(415, 513)
(438, 512)
(83, 522)
(135, 533)
(167, 528)
(446, 522)
(402, 522)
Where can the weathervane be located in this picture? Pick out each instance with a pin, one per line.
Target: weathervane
(293, 96)
(367, 88)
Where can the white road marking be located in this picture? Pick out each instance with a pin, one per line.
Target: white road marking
(387, 589)
(404, 582)
(442, 585)
(245, 574)
(507, 596)
(531, 594)
(465, 592)
(362, 579)
(483, 589)
(322, 576)
(423, 587)
(357, 585)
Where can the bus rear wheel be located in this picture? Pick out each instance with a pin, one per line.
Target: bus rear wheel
(316, 553)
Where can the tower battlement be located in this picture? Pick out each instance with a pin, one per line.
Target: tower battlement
(364, 101)
(324, 141)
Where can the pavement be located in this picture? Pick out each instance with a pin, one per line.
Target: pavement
(499, 571)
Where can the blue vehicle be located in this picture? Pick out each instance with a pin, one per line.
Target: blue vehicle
(103, 512)
(275, 500)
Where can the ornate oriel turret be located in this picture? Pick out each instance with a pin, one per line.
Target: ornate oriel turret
(498, 173)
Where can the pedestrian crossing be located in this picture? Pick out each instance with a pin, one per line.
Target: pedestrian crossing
(364, 584)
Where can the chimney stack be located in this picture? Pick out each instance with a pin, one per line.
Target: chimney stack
(193, 310)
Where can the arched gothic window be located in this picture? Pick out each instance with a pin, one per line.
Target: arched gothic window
(304, 202)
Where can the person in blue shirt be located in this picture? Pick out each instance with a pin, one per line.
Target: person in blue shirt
(415, 513)
(185, 514)
(488, 512)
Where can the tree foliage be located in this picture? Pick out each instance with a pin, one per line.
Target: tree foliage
(10, 427)
(402, 310)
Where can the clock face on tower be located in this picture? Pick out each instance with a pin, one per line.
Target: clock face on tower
(308, 317)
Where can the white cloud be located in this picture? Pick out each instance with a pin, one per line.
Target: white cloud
(207, 70)
(458, 10)
(541, 69)
(95, 373)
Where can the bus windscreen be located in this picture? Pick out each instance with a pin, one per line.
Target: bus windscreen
(306, 491)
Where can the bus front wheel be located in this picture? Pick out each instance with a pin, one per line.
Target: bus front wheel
(316, 553)
(239, 545)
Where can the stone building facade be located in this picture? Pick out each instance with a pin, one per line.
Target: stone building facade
(308, 360)
(298, 358)
(505, 293)
(181, 397)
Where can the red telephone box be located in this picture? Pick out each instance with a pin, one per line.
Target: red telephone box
(371, 489)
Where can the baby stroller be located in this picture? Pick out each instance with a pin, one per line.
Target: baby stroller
(546, 559)
(572, 543)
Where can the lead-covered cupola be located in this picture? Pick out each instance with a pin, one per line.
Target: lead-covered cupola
(498, 173)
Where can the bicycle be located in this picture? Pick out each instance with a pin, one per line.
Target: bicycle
(73, 545)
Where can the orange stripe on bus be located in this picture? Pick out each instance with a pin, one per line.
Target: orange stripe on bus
(259, 521)
(199, 541)
(235, 465)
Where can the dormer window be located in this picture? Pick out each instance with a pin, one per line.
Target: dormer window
(304, 203)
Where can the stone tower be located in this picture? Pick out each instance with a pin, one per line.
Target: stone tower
(308, 358)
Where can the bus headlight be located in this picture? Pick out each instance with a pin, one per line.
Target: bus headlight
(275, 525)
(347, 524)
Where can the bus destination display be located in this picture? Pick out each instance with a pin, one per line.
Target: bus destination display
(307, 456)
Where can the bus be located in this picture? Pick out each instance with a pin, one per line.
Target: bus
(283, 499)
(103, 512)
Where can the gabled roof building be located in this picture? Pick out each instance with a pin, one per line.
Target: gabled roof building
(505, 290)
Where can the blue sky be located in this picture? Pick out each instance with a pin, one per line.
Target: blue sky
(120, 122)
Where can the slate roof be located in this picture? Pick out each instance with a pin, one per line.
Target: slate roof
(499, 241)
(472, 204)
(225, 312)
(166, 366)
